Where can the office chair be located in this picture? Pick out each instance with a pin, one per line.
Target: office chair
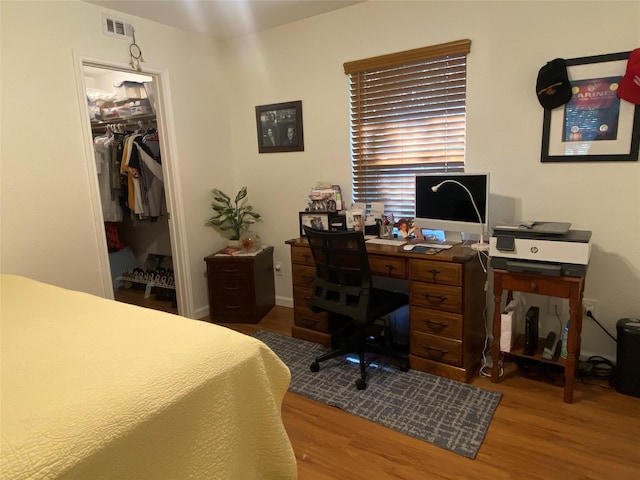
(343, 286)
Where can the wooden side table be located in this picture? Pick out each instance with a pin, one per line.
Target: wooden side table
(241, 288)
(563, 287)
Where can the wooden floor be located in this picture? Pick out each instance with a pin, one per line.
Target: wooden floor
(135, 296)
(533, 435)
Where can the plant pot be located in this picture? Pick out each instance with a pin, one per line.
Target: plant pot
(233, 243)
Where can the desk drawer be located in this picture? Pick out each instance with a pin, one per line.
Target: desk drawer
(436, 322)
(302, 255)
(442, 273)
(436, 348)
(440, 297)
(387, 266)
(320, 322)
(303, 275)
(231, 269)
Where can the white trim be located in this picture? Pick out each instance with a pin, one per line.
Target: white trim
(164, 116)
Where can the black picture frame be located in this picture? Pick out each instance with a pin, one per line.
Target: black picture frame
(280, 127)
(602, 134)
(328, 221)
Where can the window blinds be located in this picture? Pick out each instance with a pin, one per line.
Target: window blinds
(408, 116)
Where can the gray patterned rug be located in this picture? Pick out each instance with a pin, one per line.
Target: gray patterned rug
(446, 413)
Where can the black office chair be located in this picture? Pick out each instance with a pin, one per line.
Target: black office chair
(343, 286)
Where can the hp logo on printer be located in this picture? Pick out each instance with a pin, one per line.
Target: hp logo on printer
(533, 249)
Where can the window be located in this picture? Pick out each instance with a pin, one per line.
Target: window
(408, 116)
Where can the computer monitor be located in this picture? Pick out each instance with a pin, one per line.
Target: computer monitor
(449, 210)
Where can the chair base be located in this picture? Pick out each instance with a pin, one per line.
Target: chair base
(356, 343)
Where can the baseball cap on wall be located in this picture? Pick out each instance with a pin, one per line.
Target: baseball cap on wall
(629, 86)
(553, 87)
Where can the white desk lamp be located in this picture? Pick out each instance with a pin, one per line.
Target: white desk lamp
(481, 245)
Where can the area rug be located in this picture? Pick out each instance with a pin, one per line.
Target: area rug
(450, 414)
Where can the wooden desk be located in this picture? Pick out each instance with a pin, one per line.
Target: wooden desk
(446, 304)
(563, 287)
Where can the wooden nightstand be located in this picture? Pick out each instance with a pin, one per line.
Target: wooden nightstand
(241, 288)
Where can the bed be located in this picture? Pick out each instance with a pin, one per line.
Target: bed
(96, 389)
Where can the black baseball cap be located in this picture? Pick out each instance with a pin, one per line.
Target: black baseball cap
(553, 87)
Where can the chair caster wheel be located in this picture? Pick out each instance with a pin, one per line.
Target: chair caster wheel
(361, 384)
(314, 367)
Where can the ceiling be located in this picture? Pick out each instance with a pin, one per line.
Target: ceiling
(224, 19)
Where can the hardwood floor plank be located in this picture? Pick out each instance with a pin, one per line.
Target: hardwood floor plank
(533, 434)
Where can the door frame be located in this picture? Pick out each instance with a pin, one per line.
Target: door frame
(172, 183)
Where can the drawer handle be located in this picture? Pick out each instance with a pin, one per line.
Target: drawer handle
(440, 298)
(306, 257)
(231, 288)
(434, 272)
(390, 268)
(438, 351)
(534, 286)
(232, 306)
(229, 270)
(436, 325)
(308, 278)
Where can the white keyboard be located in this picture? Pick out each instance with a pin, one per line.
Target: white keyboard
(385, 241)
(441, 246)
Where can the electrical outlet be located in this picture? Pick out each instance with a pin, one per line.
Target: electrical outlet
(278, 268)
(589, 305)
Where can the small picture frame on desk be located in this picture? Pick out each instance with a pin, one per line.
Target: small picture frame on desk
(315, 220)
(328, 221)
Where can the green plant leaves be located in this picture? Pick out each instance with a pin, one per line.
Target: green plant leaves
(235, 217)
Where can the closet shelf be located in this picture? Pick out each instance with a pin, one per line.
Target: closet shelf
(133, 120)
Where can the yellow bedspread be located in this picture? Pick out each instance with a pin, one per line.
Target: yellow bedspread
(95, 389)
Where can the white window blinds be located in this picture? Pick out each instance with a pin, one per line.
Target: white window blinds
(408, 116)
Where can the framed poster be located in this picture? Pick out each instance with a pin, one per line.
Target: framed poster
(280, 127)
(595, 125)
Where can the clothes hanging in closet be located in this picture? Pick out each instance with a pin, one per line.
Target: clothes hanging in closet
(108, 185)
(130, 175)
(142, 166)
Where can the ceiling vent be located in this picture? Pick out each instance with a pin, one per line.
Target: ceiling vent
(113, 27)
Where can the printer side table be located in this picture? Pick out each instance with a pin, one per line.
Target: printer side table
(563, 287)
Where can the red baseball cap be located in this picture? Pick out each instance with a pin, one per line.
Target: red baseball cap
(629, 87)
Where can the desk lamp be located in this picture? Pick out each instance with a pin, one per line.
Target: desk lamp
(481, 245)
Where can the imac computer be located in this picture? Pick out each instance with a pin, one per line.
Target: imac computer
(445, 209)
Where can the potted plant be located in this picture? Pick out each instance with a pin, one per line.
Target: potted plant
(235, 217)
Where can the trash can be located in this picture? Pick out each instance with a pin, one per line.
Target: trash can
(628, 357)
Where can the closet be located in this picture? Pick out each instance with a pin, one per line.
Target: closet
(131, 185)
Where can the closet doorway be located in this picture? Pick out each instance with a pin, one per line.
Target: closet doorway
(142, 263)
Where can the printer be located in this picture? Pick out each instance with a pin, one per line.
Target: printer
(545, 248)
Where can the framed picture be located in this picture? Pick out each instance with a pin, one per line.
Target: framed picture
(280, 127)
(316, 220)
(595, 125)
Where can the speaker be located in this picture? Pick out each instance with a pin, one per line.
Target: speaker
(531, 331)
(628, 357)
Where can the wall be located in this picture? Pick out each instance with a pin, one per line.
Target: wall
(48, 229)
(47, 225)
(510, 42)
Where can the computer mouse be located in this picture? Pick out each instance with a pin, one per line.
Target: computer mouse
(408, 248)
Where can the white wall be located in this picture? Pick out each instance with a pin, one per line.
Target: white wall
(48, 229)
(510, 42)
(47, 226)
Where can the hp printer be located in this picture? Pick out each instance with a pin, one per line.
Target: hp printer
(546, 248)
